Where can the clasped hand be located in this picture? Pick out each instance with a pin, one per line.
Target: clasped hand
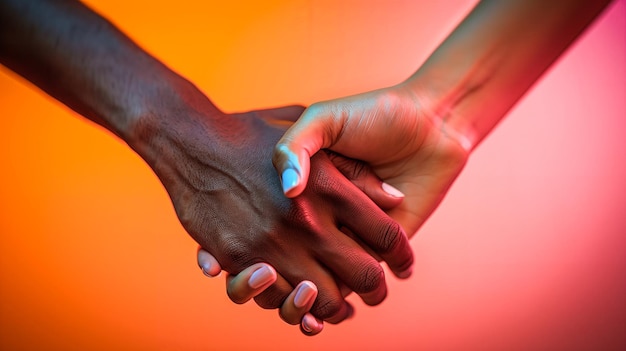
(404, 144)
(217, 170)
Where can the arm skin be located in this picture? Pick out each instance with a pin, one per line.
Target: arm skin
(417, 135)
(216, 167)
(494, 56)
(433, 120)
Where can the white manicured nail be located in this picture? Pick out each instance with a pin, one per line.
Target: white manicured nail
(392, 191)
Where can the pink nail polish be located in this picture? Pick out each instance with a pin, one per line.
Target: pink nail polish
(206, 270)
(260, 277)
(310, 323)
(305, 293)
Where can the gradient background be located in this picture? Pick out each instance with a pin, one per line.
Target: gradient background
(528, 251)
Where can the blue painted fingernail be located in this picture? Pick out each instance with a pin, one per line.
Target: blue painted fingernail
(290, 179)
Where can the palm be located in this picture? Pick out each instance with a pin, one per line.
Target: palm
(419, 161)
(424, 178)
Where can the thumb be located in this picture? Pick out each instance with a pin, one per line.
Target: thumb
(316, 129)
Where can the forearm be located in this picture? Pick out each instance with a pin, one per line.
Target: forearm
(494, 56)
(82, 60)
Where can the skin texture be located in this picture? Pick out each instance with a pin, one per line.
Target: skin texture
(414, 154)
(216, 167)
(419, 157)
(446, 120)
(417, 135)
(240, 291)
(231, 203)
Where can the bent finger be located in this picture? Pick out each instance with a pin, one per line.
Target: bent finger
(363, 177)
(208, 263)
(310, 325)
(315, 130)
(298, 302)
(382, 234)
(354, 210)
(250, 282)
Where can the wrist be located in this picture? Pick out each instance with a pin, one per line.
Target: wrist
(169, 109)
(445, 117)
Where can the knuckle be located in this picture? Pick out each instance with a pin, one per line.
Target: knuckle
(370, 278)
(391, 236)
(405, 264)
(235, 295)
(350, 168)
(327, 308)
(288, 318)
(358, 170)
(236, 254)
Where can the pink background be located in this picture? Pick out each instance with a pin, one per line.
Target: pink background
(528, 251)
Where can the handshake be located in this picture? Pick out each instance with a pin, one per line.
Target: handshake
(313, 231)
(298, 205)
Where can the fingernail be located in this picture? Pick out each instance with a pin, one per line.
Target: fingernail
(210, 270)
(290, 179)
(305, 293)
(205, 270)
(392, 191)
(406, 273)
(260, 277)
(310, 323)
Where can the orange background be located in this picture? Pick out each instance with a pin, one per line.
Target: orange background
(528, 251)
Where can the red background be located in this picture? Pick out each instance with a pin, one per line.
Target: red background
(526, 252)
